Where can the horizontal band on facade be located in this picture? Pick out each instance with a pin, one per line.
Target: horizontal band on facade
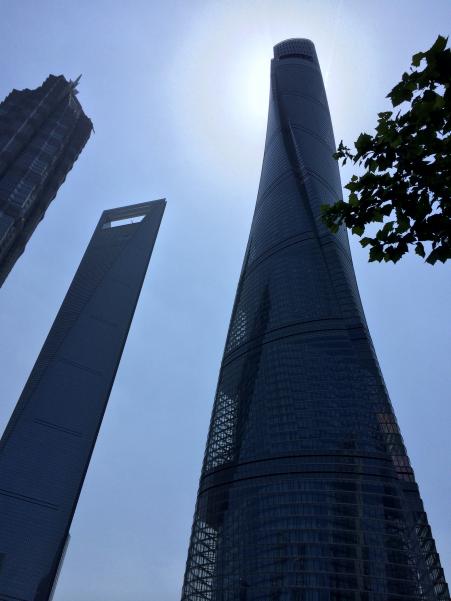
(324, 239)
(57, 427)
(282, 130)
(311, 133)
(90, 370)
(26, 499)
(302, 174)
(275, 248)
(317, 458)
(331, 325)
(261, 197)
(306, 97)
(265, 589)
(341, 474)
(309, 172)
(347, 454)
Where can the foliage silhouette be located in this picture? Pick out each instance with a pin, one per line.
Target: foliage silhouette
(406, 181)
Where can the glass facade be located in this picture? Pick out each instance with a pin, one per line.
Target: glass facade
(42, 132)
(47, 445)
(306, 491)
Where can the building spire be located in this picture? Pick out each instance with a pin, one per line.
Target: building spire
(74, 84)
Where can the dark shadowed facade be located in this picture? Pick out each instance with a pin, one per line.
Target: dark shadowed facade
(47, 445)
(42, 132)
(306, 491)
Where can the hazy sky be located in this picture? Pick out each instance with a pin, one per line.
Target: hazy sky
(178, 93)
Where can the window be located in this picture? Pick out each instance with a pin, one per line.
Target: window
(123, 221)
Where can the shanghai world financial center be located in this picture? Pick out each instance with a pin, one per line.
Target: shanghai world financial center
(306, 490)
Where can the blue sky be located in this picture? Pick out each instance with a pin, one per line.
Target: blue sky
(178, 93)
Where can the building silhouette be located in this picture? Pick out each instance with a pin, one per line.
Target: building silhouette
(42, 132)
(306, 491)
(47, 445)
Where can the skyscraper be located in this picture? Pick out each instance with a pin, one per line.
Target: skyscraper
(42, 132)
(306, 491)
(47, 445)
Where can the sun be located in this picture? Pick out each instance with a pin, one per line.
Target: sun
(250, 81)
(220, 77)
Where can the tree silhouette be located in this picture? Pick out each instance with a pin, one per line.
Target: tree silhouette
(406, 183)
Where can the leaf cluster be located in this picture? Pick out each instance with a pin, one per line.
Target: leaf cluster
(406, 180)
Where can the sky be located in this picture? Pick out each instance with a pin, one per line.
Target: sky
(178, 93)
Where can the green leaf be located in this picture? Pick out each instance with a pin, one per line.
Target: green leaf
(363, 143)
(417, 58)
(385, 115)
(399, 94)
(419, 249)
(405, 167)
(439, 44)
(353, 199)
(403, 224)
(386, 209)
(358, 230)
(377, 215)
(376, 254)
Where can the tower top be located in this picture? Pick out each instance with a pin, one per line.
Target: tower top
(296, 48)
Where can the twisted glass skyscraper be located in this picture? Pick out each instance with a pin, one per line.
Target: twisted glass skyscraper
(306, 491)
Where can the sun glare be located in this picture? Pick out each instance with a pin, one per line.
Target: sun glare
(251, 77)
(221, 76)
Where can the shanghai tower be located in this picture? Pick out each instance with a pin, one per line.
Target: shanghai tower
(306, 491)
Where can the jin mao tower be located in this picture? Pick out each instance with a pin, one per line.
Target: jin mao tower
(42, 132)
(306, 491)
